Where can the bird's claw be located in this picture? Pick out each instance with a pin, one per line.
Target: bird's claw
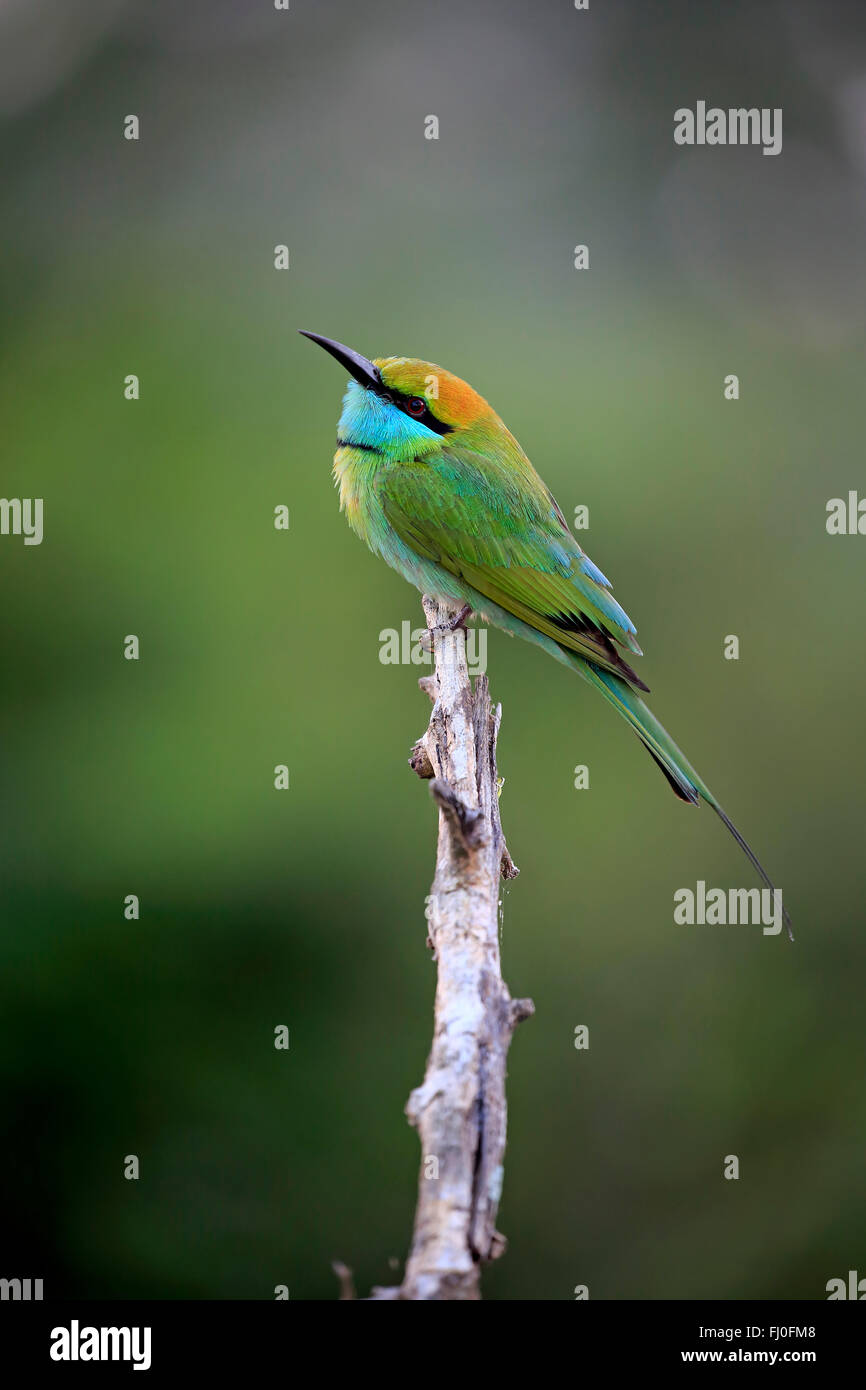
(457, 622)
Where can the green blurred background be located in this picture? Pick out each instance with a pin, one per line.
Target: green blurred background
(259, 647)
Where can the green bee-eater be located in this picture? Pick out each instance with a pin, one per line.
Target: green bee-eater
(432, 480)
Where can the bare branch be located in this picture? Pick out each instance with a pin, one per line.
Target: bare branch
(459, 1109)
(347, 1283)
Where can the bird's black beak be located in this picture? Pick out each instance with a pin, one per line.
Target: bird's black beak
(359, 367)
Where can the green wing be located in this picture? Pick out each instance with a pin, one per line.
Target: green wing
(489, 519)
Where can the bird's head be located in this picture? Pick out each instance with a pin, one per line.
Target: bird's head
(400, 406)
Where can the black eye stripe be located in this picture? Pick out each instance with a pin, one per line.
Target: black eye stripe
(428, 418)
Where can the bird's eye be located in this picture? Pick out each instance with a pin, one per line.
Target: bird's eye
(416, 405)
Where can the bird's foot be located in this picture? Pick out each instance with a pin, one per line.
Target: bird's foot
(458, 621)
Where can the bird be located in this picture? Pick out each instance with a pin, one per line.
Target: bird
(436, 485)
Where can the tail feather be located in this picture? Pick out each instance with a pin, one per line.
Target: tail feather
(679, 772)
(753, 859)
(679, 789)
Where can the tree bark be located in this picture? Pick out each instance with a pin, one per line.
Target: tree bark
(459, 1109)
